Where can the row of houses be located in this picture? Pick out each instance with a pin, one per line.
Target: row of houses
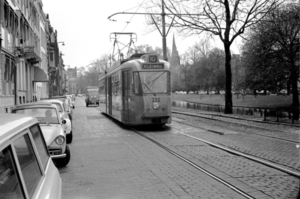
(31, 63)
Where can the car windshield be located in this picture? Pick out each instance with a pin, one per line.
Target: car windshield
(58, 106)
(154, 82)
(44, 115)
(93, 92)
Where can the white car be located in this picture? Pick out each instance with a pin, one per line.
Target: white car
(64, 114)
(72, 101)
(52, 128)
(26, 169)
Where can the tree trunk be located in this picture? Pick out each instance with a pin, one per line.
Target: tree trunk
(228, 93)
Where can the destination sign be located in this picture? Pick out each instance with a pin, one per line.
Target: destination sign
(153, 66)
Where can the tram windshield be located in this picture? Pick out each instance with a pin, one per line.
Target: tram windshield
(154, 82)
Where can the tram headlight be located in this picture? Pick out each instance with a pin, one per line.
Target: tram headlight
(155, 105)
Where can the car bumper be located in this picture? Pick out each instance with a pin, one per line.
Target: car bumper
(57, 154)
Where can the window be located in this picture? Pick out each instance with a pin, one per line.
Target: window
(136, 83)
(51, 57)
(154, 82)
(44, 115)
(9, 182)
(58, 106)
(40, 144)
(7, 69)
(28, 163)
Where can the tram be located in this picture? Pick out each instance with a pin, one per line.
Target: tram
(137, 91)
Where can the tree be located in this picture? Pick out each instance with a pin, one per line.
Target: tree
(145, 48)
(197, 51)
(273, 50)
(226, 19)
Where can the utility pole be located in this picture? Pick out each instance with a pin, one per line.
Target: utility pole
(163, 32)
(164, 42)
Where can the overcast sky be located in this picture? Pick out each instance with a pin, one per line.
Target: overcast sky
(85, 29)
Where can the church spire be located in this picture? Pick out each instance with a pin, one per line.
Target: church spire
(175, 59)
(174, 47)
(175, 67)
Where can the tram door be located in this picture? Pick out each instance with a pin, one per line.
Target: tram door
(126, 95)
(109, 93)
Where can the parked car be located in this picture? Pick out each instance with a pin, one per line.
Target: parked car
(67, 102)
(282, 92)
(26, 169)
(52, 128)
(72, 100)
(64, 114)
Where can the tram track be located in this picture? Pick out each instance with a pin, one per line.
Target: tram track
(231, 151)
(241, 122)
(234, 188)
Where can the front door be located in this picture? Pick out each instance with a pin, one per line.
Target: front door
(126, 95)
(109, 89)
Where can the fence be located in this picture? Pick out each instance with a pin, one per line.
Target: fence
(280, 112)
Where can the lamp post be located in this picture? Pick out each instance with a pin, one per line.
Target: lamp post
(63, 43)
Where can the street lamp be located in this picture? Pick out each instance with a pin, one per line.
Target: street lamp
(63, 43)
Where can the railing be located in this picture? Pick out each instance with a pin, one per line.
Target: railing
(280, 112)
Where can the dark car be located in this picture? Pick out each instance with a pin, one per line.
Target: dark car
(92, 96)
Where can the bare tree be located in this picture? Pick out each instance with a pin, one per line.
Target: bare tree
(226, 19)
(197, 51)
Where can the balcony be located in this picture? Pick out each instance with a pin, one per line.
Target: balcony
(31, 55)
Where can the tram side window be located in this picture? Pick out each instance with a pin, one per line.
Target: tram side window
(136, 83)
(9, 183)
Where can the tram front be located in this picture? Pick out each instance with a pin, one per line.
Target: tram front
(152, 86)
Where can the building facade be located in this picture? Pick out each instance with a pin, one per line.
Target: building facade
(28, 42)
(71, 83)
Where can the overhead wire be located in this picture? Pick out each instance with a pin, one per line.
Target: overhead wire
(130, 19)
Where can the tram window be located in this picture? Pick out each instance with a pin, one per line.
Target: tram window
(136, 83)
(154, 82)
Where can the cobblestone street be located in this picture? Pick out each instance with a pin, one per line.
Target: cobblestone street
(111, 162)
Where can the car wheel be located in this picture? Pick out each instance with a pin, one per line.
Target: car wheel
(69, 137)
(64, 161)
(87, 104)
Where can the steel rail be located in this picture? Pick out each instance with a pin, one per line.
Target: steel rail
(256, 159)
(197, 167)
(248, 125)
